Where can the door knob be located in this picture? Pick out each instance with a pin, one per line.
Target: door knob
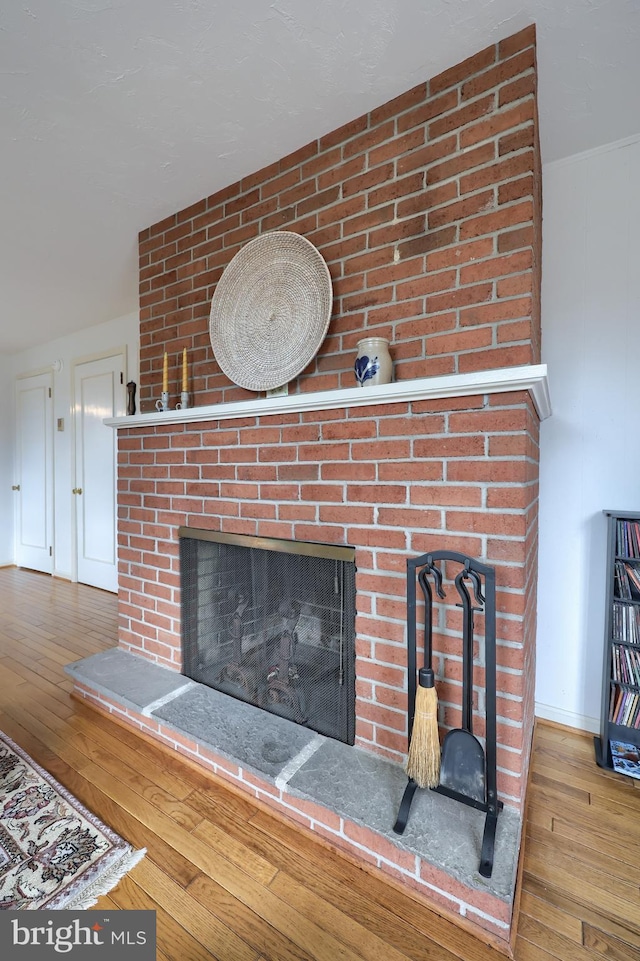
(15, 487)
(76, 490)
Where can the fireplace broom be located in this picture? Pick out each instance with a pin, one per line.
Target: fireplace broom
(423, 761)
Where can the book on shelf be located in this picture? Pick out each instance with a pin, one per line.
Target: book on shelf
(634, 576)
(626, 622)
(627, 581)
(633, 660)
(626, 758)
(627, 538)
(626, 665)
(614, 702)
(624, 707)
(627, 703)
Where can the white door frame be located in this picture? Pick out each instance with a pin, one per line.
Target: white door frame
(120, 352)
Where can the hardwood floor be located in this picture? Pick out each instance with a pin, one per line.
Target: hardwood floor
(230, 881)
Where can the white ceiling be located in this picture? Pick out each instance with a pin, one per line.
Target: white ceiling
(116, 113)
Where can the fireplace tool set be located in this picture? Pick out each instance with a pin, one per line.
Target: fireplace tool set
(467, 771)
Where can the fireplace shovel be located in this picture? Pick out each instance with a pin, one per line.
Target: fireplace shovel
(463, 764)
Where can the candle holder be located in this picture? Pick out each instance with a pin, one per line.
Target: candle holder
(183, 403)
(163, 403)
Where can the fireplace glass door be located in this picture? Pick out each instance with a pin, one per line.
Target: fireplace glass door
(272, 622)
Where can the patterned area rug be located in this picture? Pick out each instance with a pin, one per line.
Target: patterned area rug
(53, 852)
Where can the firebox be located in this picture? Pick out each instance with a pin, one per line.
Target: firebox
(272, 622)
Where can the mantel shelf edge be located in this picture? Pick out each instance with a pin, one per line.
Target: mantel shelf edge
(529, 377)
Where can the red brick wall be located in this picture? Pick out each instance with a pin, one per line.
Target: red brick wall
(427, 211)
(394, 482)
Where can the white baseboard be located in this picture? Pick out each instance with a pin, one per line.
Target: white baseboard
(580, 721)
(63, 575)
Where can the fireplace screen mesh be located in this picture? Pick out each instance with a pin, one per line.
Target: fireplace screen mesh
(272, 622)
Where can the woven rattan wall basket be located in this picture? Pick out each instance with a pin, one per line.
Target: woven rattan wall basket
(270, 310)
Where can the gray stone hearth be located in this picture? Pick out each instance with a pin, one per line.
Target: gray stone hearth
(354, 784)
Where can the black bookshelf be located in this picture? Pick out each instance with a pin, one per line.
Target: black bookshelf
(620, 712)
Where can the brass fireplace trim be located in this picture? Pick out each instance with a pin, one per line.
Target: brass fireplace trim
(331, 552)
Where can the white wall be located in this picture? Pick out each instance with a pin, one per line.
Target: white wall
(121, 332)
(590, 449)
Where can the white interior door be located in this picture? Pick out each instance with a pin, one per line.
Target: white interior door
(34, 469)
(98, 393)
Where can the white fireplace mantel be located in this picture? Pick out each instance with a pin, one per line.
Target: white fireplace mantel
(530, 377)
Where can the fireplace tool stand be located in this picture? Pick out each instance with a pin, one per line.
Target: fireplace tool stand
(467, 773)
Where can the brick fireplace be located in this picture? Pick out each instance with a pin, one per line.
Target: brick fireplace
(427, 211)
